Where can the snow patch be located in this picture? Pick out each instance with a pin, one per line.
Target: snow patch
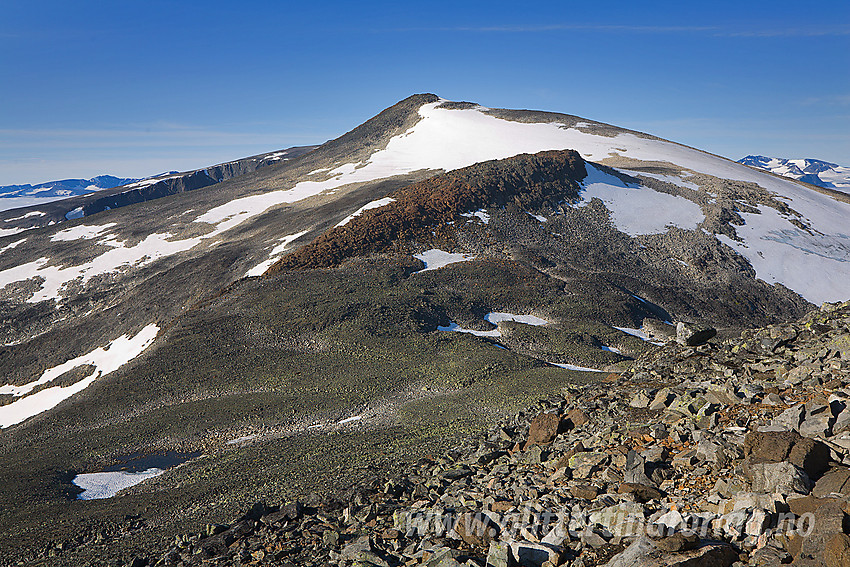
(12, 245)
(105, 360)
(480, 214)
(495, 318)
(455, 328)
(75, 214)
(101, 485)
(435, 259)
(81, 232)
(275, 254)
(638, 333)
(26, 216)
(541, 218)
(574, 367)
(366, 207)
(241, 439)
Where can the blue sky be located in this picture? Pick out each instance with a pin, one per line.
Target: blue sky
(136, 88)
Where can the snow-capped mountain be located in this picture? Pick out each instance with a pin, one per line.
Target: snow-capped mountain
(394, 278)
(814, 171)
(16, 196)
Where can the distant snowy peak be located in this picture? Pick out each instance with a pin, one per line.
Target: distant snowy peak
(15, 196)
(64, 188)
(814, 171)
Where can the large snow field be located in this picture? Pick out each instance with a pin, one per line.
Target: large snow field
(635, 209)
(816, 266)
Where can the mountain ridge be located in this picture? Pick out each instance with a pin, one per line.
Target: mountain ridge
(816, 172)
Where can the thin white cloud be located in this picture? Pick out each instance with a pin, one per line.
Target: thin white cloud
(831, 100)
(718, 31)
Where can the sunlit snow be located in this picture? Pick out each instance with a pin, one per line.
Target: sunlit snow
(275, 254)
(104, 359)
(635, 209)
(435, 259)
(366, 207)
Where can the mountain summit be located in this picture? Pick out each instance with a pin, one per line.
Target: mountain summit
(814, 171)
(367, 301)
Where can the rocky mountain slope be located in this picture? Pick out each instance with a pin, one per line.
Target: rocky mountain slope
(713, 454)
(387, 323)
(17, 196)
(814, 171)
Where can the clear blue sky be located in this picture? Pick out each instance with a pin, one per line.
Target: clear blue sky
(135, 88)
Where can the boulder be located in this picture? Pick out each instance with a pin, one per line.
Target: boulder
(693, 335)
(543, 429)
(777, 446)
(835, 481)
(641, 492)
(783, 477)
(643, 553)
(476, 530)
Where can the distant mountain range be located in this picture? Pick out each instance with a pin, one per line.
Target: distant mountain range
(814, 171)
(15, 196)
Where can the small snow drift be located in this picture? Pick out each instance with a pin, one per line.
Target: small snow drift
(435, 259)
(107, 484)
(495, 318)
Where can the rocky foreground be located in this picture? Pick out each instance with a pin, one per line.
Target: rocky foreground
(733, 453)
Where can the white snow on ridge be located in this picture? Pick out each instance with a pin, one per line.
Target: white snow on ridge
(435, 259)
(372, 205)
(107, 484)
(635, 209)
(275, 254)
(105, 360)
